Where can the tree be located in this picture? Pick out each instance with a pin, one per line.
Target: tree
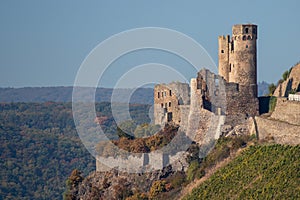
(285, 75)
(121, 134)
(72, 183)
(272, 88)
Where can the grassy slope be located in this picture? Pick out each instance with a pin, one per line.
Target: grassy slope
(261, 172)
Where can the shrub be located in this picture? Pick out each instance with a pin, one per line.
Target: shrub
(157, 188)
(272, 104)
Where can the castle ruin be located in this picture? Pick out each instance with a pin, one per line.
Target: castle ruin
(232, 93)
(211, 105)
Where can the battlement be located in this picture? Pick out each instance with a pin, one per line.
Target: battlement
(244, 29)
(224, 37)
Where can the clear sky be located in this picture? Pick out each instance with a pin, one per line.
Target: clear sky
(43, 43)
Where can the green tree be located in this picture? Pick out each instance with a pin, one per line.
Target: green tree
(272, 89)
(122, 133)
(285, 75)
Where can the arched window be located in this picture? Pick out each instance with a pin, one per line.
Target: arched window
(249, 37)
(254, 30)
(246, 30)
(244, 37)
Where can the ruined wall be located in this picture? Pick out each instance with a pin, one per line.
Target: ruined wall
(279, 132)
(287, 111)
(167, 101)
(143, 163)
(240, 104)
(184, 110)
(230, 99)
(213, 90)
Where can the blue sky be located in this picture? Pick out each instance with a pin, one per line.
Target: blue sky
(43, 43)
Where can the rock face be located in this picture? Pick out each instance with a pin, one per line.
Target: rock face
(292, 83)
(115, 185)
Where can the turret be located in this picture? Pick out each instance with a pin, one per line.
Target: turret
(224, 42)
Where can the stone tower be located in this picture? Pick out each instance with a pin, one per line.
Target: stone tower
(237, 56)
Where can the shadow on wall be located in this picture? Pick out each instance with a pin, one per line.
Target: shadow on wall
(266, 104)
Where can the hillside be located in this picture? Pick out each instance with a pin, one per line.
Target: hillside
(260, 172)
(40, 147)
(64, 94)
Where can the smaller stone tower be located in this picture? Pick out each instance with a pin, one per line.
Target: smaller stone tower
(224, 43)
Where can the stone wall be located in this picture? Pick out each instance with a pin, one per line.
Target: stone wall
(237, 102)
(287, 111)
(143, 163)
(167, 101)
(240, 104)
(278, 131)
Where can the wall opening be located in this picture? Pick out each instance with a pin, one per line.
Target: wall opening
(244, 37)
(222, 51)
(247, 46)
(158, 95)
(170, 92)
(249, 37)
(230, 67)
(246, 30)
(216, 82)
(170, 104)
(162, 105)
(254, 31)
(170, 116)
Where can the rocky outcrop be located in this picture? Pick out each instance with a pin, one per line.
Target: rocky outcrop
(116, 185)
(292, 83)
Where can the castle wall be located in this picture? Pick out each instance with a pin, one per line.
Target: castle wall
(280, 132)
(184, 110)
(287, 111)
(144, 162)
(240, 104)
(167, 101)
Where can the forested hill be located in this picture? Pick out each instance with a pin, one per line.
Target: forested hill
(40, 147)
(64, 94)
